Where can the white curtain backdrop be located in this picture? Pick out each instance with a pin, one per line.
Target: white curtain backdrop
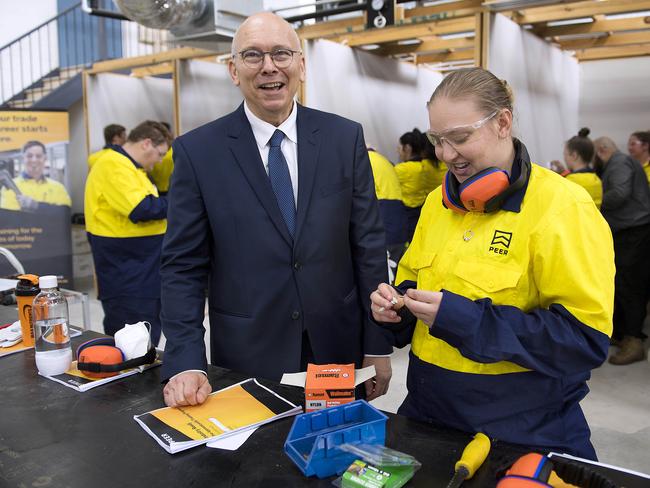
(388, 97)
(126, 100)
(206, 93)
(545, 82)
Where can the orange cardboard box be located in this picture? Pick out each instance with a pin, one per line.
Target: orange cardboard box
(328, 385)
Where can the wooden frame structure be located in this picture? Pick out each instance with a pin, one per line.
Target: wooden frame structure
(455, 32)
(164, 63)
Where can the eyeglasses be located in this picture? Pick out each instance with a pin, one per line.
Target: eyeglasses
(458, 135)
(254, 58)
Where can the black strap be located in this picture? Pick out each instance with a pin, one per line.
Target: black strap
(148, 358)
(581, 475)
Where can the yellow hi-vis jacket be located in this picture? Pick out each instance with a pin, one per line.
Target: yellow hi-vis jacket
(94, 157)
(389, 195)
(387, 185)
(162, 172)
(437, 174)
(590, 182)
(44, 190)
(417, 179)
(526, 312)
(646, 168)
(114, 187)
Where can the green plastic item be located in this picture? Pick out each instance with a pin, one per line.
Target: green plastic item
(377, 467)
(362, 474)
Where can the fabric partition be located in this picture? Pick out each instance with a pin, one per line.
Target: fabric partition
(615, 98)
(125, 100)
(388, 97)
(206, 92)
(545, 82)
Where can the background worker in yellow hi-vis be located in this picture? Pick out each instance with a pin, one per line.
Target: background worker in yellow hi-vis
(416, 178)
(126, 222)
(114, 135)
(161, 174)
(35, 191)
(502, 303)
(578, 154)
(391, 207)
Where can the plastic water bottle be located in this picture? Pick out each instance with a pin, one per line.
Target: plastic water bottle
(51, 336)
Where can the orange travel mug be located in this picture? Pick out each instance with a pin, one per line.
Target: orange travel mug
(26, 289)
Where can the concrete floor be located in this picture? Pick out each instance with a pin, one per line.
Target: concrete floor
(617, 408)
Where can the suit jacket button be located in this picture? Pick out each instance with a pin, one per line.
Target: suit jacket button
(297, 265)
(295, 315)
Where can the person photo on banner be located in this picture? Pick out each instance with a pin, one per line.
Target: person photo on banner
(32, 191)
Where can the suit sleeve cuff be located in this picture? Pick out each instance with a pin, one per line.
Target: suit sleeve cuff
(188, 371)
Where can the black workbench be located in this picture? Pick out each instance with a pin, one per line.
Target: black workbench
(54, 436)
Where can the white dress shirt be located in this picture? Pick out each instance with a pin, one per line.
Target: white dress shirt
(262, 131)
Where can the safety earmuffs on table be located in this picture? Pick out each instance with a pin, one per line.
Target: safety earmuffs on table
(99, 358)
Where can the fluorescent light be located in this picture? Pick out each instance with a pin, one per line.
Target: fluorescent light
(408, 42)
(369, 47)
(582, 20)
(458, 35)
(628, 15)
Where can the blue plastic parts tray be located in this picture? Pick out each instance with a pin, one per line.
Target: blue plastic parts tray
(314, 437)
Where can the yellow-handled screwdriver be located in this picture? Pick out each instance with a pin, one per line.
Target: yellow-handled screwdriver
(473, 456)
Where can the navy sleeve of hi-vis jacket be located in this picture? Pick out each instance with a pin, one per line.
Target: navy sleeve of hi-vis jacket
(150, 208)
(552, 342)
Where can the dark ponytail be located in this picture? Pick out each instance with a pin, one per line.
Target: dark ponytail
(413, 139)
(582, 145)
(428, 151)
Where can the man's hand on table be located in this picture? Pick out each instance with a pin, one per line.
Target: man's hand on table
(188, 388)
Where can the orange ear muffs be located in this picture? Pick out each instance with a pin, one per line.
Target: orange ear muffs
(483, 192)
(477, 190)
(99, 358)
(450, 194)
(98, 352)
(534, 470)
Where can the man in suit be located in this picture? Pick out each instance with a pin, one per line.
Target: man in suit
(272, 210)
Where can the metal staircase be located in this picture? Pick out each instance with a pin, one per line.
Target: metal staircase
(49, 59)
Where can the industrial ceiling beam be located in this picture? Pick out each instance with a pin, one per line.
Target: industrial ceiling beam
(621, 39)
(407, 31)
(612, 52)
(607, 25)
(574, 10)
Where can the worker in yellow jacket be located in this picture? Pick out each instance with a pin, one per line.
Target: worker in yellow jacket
(391, 207)
(505, 311)
(32, 191)
(416, 178)
(126, 220)
(578, 153)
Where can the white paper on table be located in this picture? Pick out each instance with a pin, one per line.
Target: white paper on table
(232, 442)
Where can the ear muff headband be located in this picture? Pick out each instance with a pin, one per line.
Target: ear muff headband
(114, 367)
(483, 192)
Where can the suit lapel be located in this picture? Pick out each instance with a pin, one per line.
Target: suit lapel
(308, 147)
(244, 148)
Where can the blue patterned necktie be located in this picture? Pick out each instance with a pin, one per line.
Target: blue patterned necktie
(281, 181)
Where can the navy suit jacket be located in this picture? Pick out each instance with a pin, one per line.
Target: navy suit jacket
(226, 235)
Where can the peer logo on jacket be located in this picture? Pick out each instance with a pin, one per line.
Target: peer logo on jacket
(500, 242)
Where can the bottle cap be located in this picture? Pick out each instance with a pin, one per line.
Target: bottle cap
(49, 281)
